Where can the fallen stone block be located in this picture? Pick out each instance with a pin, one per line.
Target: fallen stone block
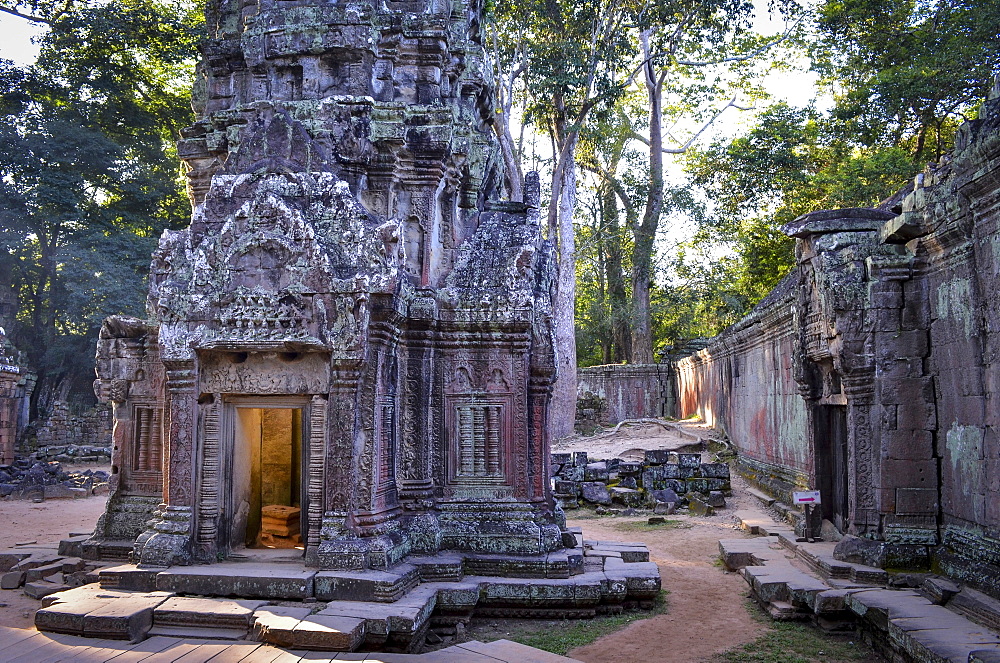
(940, 590)
(563, 487)
(12, 579)
(34, 561)
(596, 471)
(665, 495)
(40, 572)
(699, 507)
(8, 560)
(59, 491)
(596, 493)
(626, 496)
(39, 589)
(665, 508)
(716, 499)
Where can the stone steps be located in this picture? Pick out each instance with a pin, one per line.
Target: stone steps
(188, 617)
(292, 606)
(904, 625)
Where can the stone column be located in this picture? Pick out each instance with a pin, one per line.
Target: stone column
(206, 545)
(863, 453)
(317, 475)
(168, 540)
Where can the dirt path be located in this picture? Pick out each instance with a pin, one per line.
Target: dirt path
(44, 523)
(706, 611)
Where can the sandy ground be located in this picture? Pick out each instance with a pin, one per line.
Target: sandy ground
(40, 526)
(700, 591)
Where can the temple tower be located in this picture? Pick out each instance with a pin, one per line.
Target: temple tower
(349, 350)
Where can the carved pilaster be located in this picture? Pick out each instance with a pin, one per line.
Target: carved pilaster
(340, 424)
(182, 406)
(317, 449)
(863, 455)
(208, 496)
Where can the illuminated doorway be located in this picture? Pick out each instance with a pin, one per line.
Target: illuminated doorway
(267, 499)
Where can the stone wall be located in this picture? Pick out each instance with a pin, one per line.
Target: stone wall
(61, 428)
(743, 384)
(626, 391)
(873, 372)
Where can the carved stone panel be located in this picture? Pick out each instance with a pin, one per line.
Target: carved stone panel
(266, 373)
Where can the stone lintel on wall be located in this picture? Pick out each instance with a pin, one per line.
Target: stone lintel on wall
(851, 219)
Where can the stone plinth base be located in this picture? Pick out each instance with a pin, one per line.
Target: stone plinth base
(381, 610)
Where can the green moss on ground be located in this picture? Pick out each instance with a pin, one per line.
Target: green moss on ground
(795, 642)
(559, 637)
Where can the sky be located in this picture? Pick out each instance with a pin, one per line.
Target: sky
(15, 39)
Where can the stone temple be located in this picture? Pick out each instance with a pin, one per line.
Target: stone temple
(348, 357)
(349, 326)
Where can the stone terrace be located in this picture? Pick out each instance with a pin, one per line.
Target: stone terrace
(792, 579)
(286, 604)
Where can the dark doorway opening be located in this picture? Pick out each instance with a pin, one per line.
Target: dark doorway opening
(831, 462)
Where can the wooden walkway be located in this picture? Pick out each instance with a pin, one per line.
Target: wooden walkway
(31, 646)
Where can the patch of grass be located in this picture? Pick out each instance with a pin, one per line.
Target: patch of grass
(561, 637)
(644, 526)
(791, 642)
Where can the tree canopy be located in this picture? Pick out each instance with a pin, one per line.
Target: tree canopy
(89, 176)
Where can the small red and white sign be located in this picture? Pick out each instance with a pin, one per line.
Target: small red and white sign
(806, 497)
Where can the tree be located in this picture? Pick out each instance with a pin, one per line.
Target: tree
(89, 176)
(906, 74)
(568, 56)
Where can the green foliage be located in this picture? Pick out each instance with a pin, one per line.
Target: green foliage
(792, 162)
(89, 175)
(906, 73)
(789, 642)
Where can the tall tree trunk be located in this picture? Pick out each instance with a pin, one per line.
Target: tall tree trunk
(513, 177)
(562, 412)
(610, 232)
(645, 232)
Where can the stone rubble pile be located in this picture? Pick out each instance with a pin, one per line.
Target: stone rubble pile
(33, 479)
(663, 481)
(44, 573)
(72, 453)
